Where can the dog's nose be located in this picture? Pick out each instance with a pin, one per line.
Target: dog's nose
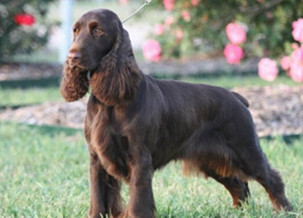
(73, 55)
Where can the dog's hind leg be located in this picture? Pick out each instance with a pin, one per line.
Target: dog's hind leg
(274, 186)
(256, 166)
(237, 188)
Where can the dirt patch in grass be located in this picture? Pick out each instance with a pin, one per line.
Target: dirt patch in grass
(276, 110)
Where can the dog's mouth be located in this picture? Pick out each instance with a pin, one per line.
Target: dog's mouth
(81, 67)
(73, 64)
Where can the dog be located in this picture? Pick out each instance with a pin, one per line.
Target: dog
(136, 124)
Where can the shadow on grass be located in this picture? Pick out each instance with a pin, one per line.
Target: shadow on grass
(31, 83)
(288, 139)
(14, 107)
(54, 130)
(45, 129)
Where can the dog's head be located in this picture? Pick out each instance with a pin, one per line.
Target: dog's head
(96, 34)
(101, 48)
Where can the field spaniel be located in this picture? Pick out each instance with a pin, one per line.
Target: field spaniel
(136, 124)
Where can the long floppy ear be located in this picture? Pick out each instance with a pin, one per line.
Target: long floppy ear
(117, 79)
(74, 84)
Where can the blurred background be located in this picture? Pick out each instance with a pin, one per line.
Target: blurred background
(253, 47)
(40, 36)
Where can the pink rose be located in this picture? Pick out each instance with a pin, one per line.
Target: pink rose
(296, 67)
(123, 2)
(296, 71)
(194, 2)
(294, 46)
(186, 15)
(159, 29)
(285, 63)
(235, 33)
(297, 32)
(152, 50)
(268, 69)
(169, 21)
(233, 53)
(168, 4)
(297, 55)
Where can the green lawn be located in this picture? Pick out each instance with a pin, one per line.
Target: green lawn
(30, 91)
(16, 97)
(44, 173)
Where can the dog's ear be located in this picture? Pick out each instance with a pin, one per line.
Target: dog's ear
(109, 61)
(74, 84)
(117, 80)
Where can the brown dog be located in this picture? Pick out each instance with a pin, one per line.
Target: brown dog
(136, 124)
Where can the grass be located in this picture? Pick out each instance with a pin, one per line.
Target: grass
(19, 97)
(30, 91)
(44, 173)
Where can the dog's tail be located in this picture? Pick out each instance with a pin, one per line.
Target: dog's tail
(241, 98)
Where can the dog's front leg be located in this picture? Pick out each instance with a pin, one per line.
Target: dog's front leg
(141, 203)
(105, 192)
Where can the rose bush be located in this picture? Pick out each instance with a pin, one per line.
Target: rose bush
(247, 28)
(250, 28)
(266, 25)
(293, 64)
(23, 26)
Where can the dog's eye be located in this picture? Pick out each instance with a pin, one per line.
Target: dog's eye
(76, 30)
(98, 31)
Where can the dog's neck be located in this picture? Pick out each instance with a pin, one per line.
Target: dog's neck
(116, 87)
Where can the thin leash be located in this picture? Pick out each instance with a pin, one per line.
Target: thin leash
(147, 2)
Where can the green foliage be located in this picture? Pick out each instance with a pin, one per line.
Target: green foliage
(16, 38)
(269, 25)
(44, 173)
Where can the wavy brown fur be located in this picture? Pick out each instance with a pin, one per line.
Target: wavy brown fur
(136, 124)
(74, 84)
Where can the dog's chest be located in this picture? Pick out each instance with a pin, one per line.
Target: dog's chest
(110, 144)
